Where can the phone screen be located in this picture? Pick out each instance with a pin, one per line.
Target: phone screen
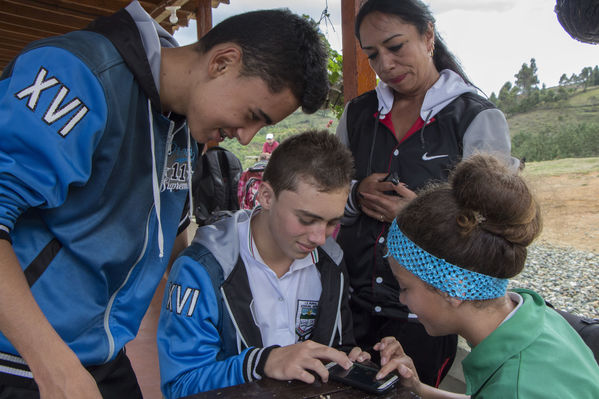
(361, 376)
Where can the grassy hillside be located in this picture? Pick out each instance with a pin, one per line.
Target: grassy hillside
(580, 108)
(565, 129)
(293, 124)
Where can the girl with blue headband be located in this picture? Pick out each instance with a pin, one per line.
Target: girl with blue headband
(452, 250)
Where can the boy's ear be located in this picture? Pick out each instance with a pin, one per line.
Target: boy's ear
(266, 195)
(224, 58)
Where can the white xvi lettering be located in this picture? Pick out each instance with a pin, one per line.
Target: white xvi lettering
(56, 110)
(34, 91)
(181, 301)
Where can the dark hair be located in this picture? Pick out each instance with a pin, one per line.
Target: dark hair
(316, 156)
(416, 13)
(482, 219)
(279, 47)
(580, 18)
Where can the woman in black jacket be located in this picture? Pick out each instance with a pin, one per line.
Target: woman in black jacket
(423, 117)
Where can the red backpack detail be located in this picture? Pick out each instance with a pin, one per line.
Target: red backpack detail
(249, 182)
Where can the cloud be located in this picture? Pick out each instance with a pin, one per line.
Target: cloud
(441, 6)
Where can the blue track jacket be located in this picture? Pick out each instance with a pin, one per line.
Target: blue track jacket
(80, 128)
(207, 337)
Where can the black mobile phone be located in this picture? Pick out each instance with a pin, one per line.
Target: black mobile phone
(391, 177)
(362, 377)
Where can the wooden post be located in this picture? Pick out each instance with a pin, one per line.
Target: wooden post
(203, 16)
(358, 77)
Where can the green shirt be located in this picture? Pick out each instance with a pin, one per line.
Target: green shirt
(533, 354)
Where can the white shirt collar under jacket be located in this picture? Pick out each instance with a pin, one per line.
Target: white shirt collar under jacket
(277, 300)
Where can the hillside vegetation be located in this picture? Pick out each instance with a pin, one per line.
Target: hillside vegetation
(565, 129)
(293, 124)
(568, 128)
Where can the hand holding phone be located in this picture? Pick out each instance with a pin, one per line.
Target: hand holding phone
(362, 377)
(392, 177)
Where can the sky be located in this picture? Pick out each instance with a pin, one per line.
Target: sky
(490, 38)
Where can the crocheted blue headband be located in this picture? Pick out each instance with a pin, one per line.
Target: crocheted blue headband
(455, 281)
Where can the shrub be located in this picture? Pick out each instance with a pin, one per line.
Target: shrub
(577, 141)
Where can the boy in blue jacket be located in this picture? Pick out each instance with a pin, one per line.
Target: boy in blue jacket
(95, 165)
(264, 293)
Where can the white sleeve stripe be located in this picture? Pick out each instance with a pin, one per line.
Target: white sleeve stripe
(253, 358)
(184, 220)
(12, 358)
(352, 208)
(255, 375)
(17, 372)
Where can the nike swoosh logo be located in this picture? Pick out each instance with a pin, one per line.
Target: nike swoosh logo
(425, 156)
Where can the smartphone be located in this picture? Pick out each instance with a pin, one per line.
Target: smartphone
(362, 377)
(393, 178)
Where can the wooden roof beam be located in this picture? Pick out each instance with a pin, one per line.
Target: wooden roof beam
(39, 12)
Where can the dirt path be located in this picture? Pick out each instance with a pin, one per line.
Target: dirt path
(570, 205)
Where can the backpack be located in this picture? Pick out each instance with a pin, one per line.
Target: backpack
(249, 183)
(214, 184)
(587, 328)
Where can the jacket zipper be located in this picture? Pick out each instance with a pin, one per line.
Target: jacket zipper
(113, 297)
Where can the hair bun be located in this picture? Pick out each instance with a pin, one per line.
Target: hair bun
(496, 198)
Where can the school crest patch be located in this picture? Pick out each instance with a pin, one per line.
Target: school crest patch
(305, 318)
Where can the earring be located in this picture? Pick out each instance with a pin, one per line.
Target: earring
(432, 51)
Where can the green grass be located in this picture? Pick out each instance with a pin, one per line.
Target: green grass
(562, 166)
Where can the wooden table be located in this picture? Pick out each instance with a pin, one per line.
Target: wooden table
(268, 388)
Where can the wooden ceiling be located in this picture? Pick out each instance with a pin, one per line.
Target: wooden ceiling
(23, 21)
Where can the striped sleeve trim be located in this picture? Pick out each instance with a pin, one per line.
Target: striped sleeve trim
(14, 365)
(4, 233)
(255, 360)
(352, 207)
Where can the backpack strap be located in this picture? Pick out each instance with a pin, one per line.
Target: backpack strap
(215, 183)
(231, 175)
(586, 327)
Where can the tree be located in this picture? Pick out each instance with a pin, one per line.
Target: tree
(596, 76)
(507, 100)
(526, 78)
(574, 79)
(563, 80)
(336, 81)
(586, 77)
(493, 98)
(335, 71)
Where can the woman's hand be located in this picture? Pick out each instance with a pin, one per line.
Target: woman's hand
(358, 355)
(378, 205)
(393, 357)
